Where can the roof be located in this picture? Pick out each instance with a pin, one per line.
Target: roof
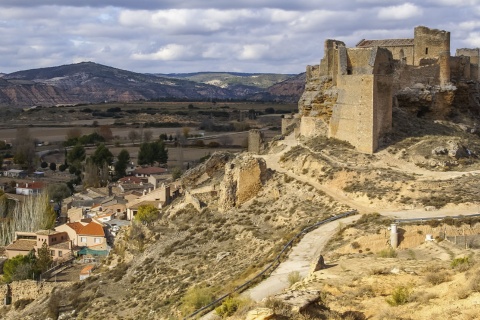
(61, 245)
(87, 269)
(47, 232)
(22, 245)
(16, 171)
(130, 179)
(150, 170)
(385, 43)
(31, 185)
(90, 229)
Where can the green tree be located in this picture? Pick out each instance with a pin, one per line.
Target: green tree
(24, 148)
(122, 163)
(161, 152)
(146, 214)
(176, 173)
(76, 155)
(44, 260)
(145, 154)
(44, 164)
(58, 191)
(102, 156)
(53, 166)
(14, 268)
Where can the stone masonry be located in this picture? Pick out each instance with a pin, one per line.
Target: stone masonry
(350, 94)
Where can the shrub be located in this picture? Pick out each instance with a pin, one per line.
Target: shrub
(388, 253)
(196, 298)
(461, 264)
(228, 307)
(294, 277)
(400, 295)
(355, 245)
(22, 303)
(437, 277)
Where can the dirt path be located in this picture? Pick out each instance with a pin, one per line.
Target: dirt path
(310, 247)
(299, 259)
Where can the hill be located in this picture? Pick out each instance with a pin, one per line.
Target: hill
(89, 82)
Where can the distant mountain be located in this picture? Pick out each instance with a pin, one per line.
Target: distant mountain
(89, 82)
(231, 79)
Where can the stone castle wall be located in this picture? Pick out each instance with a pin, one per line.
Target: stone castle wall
(255, 141)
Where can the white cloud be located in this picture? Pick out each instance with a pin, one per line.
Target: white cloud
(169, 52)
(401, 12)
(253, 51)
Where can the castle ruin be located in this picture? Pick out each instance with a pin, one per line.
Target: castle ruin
(351, 93)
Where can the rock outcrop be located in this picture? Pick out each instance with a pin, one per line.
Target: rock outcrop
(244, 177)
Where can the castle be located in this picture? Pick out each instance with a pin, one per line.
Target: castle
(350, 94)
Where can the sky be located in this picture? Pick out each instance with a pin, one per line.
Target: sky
(178, 36)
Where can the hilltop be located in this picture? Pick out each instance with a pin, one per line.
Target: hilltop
(89, 82)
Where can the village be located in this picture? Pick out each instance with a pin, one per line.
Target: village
(87, 222)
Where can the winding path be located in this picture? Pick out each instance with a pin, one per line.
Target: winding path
(312, 244)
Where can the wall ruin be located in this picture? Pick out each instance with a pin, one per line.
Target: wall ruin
(349, 95)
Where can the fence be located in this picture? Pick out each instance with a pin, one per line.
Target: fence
(274, 264)
(47, 274)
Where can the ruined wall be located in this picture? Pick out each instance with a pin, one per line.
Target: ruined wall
(244, 177)
(255, 141)
(429, 44)
(407, 76)
(289, 122)
(313, 126)
(402, 53)
(352, 118)
(474, 55)
(460, 68)
(29, 289)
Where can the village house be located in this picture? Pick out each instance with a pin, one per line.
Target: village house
(148, 171)
(159, 198)
(58, 242)
(15, 173)
(84, 234)
(29, 188)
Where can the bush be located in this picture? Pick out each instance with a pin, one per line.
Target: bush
(388, 253)
(22, 303)
(462, 263)
(228, 307)
(400, 295)
(196, 298)
(294, 277)
(437, 277)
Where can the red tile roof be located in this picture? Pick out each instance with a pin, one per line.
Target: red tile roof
(87, 269)
(31, 185)
(91, 229)
(130, 179)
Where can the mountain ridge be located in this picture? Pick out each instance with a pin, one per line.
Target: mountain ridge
(90, 82)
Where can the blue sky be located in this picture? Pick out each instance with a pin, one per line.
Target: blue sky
(171, 36)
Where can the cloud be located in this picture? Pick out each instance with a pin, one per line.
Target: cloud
(198, 35)
(401, 12)
(170, 52)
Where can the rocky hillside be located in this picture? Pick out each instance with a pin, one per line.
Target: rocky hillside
(238, 210)
(88, 82)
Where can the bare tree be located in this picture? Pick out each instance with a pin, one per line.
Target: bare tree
(147, 135)
(34, 213)
(133, 135)
(105, 132)
(73, 133)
